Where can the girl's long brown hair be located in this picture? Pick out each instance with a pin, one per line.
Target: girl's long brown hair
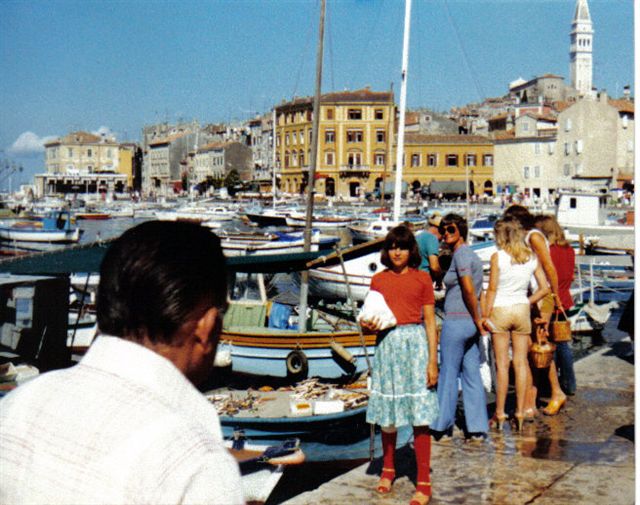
(552, 230)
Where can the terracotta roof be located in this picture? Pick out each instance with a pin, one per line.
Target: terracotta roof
(360, 95)
(561, 105)
(80, 137)
(411, 118)
(499, 117)
(159, 142)
(212, 146)
(540, 117)
(623, 105)
(547, 117)
(418, 138)
(167, 140)
(504, 135)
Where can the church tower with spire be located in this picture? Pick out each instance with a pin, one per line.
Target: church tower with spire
(582, 49)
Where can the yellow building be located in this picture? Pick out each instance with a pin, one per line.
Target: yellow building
(443, 158)
(82, 162)
(357, 145)
(353, 148)
(81, 153)
(125, 163)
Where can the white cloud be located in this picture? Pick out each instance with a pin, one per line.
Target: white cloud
(104, 130)
(29, 143)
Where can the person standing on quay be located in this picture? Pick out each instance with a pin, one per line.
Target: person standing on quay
(127, 425)
(405, 367)
(564, 260)
(538, 243)
(461, 329)
(429, 245)
(508, 312)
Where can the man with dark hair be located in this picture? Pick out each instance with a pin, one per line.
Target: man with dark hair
(126, 425)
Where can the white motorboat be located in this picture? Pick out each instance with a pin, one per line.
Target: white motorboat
(242, 243)
(331, 282)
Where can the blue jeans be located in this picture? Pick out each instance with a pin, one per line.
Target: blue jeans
(564, 362)
(460, 355)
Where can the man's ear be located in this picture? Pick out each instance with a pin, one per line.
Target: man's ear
(205, 327)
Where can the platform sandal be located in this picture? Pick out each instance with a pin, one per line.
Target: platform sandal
(386, 480)
(422, 496)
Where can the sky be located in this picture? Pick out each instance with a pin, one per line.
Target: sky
(116, 65)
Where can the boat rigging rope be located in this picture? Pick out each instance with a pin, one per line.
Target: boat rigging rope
(354, 309)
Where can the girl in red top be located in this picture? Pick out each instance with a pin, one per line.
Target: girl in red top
(405, 367)
(564, 259)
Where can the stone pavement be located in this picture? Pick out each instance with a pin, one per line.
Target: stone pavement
(584, 455)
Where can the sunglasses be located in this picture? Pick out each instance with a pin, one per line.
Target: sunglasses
(451, 229)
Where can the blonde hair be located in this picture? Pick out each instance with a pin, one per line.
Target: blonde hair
(552, 230)
(509, 235)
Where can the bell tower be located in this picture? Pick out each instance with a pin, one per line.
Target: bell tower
(581, 52)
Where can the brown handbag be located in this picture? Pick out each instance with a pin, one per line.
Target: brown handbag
(560, 328)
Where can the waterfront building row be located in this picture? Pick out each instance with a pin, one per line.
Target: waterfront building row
(537, 149)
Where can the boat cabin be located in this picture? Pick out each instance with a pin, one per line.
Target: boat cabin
(582, 209)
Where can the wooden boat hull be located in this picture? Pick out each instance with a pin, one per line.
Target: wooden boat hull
(269, 351)
(93, 216)
(313, 427)
(332, 437)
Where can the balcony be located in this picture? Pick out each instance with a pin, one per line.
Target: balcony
(355, 171)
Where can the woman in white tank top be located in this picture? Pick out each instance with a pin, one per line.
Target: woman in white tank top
(538, 243)
(508, 312)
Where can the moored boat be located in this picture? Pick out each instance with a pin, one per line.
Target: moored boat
(94, 216)
(54, 227)
(257, 349)
(244, 243)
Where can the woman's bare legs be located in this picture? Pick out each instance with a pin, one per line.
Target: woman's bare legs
(531, 393)
(521, 369)
(501, 349)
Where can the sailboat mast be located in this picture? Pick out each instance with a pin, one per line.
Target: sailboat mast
(273, 157)
(315, 134)
(403, 106)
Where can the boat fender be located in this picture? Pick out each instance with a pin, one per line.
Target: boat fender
(297, 363)
(223, 355)
(342, 352)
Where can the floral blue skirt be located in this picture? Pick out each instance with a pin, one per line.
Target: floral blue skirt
(399, 394)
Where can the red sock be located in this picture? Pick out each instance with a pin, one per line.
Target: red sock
(422, 444)
(389, 450)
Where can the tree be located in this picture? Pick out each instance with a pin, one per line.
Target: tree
(232, 179)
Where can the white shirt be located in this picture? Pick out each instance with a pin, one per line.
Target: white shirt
(124, 426)
(513, 280)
